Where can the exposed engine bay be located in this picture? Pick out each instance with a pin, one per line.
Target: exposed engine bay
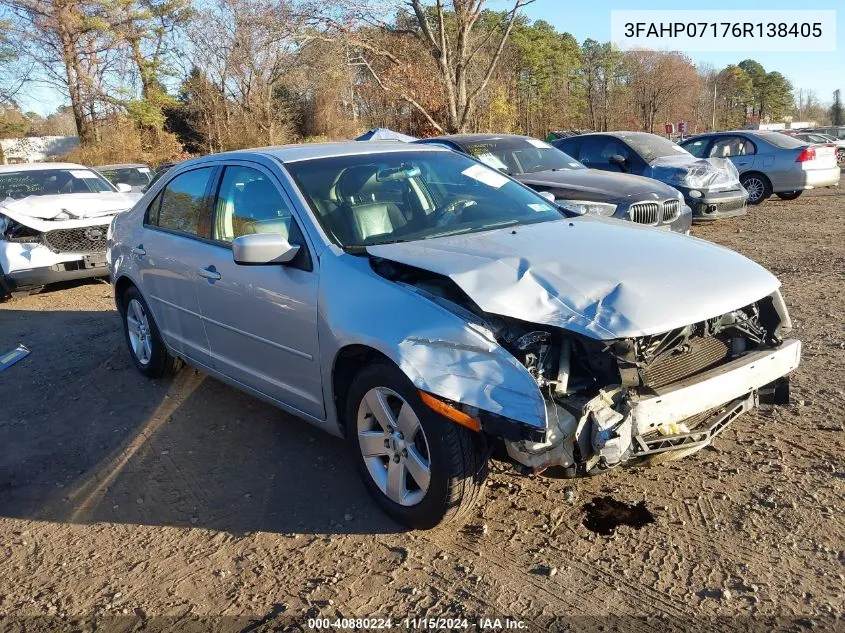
(598, 394)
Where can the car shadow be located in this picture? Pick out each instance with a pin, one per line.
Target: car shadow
(86, 438)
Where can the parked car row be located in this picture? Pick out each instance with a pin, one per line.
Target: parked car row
(422, 302)
(766, 163)
(54, 216)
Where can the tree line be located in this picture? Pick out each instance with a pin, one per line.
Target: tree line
(163, 78)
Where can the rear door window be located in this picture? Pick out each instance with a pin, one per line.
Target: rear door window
(185, 204)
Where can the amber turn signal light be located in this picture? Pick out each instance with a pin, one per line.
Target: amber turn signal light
(448, 411)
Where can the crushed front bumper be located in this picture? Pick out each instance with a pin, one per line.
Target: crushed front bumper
(718, 205)
(617, 426)
(31, 265)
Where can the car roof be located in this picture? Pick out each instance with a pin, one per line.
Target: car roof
(122, 166)
(474, 138)
(40, 166)
(618, 134)
(308, 151)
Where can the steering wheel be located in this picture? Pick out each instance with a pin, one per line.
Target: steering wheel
(452, 211)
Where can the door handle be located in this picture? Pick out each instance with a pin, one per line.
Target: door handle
(210, 273)
(139, 250)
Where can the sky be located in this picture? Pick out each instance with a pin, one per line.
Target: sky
(822, 72)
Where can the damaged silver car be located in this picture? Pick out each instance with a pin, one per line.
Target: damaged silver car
(432, 310)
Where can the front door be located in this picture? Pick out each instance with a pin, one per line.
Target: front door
(261, 321)
(738, 149)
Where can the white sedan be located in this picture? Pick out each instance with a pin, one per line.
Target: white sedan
(53, 223)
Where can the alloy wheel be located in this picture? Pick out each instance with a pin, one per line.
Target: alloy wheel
(394, 446)
(840, 157)
(140, 336)
(754, 187)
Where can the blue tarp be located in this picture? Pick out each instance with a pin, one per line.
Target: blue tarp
(383, 134)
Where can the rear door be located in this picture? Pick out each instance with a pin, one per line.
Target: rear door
(168, 253)
(261, 320)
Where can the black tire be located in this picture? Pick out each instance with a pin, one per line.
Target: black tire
(840, 157)
(457, 456)
(5, 289)
(761, 187)
(160, 362)
(789, 195)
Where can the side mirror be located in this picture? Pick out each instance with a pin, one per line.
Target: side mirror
(619, 160)
(122, 187)
(547, 195)
(261, 249)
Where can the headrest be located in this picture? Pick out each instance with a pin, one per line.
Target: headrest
(355, 181)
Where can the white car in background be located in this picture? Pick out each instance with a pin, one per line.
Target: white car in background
(53, 223)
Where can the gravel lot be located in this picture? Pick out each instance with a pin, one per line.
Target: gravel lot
(172, 503)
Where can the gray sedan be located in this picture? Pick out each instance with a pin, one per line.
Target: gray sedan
(823, 139)
(770, 162)
(430, 309)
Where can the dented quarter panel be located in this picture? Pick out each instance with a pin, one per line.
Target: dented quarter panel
(438, 351)
(602, 279)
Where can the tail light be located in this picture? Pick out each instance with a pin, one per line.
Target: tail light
(809, 153)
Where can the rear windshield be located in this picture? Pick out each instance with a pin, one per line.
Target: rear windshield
(651, 146)
(520, 156)
(134, 176)
(781, 140)
(46, 182)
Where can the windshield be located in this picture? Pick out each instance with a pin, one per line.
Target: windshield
(134, 176)
(46, 182)
(522, 156)
(651, 146)
(369, 199)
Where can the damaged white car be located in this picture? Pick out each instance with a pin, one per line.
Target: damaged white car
(430, 310)
(53, 223)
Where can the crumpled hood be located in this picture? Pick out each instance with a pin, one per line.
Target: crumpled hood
(605, 279)
(684, 170)
(72, 206)
(598, 186)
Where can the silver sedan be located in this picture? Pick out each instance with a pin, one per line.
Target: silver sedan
(429, 309)
(770, 162)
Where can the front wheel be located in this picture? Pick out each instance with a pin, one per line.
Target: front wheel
(758, 187)
(421, 468)
(789, 195)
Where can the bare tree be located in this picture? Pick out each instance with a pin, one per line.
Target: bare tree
(661, 83)
(464, 60)
(14, 71)
(244, 50)
(69, 40)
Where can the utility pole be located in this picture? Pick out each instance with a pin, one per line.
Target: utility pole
(713, 124)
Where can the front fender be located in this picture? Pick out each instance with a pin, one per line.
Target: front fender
(437, 350)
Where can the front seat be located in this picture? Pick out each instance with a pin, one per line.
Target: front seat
(364, 216)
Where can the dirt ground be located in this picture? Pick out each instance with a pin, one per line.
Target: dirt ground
(186, 503)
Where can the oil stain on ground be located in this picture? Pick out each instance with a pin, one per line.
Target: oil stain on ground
(604, 514)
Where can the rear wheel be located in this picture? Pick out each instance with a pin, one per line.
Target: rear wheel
(840, 157)
(421, 468)
(758, 187)
(146, 347)
(789, 195)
